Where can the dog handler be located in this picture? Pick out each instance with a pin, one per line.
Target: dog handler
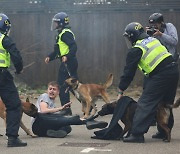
(51, 122)
(8, 90)
(65, 48)
(158, 65)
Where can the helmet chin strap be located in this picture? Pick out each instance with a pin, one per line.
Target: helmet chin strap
(59, 29)
(5, 32)
(8, 32)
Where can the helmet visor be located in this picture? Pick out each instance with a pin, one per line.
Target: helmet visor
(128, 42)
(54, 24)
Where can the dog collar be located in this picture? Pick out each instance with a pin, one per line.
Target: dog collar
(76, 86)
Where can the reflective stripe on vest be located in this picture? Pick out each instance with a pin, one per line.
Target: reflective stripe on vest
(63, 47)
(4, 55)
(153, 54)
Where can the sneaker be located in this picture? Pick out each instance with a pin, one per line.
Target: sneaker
(96, 124)
(56, 133)
(15, 142)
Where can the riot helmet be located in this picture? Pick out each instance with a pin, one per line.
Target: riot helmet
(5, 24)
(60, 20)
(132, 33)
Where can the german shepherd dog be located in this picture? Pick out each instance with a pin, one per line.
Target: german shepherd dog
(89, 93)
(27, 108)
(162, 116)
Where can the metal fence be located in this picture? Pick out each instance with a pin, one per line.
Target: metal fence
(98, 26)
(51, 6)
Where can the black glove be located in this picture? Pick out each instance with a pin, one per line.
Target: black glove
(19, 68)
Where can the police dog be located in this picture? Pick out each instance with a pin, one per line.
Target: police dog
(162, 116)
(27, 108)
(89, 93)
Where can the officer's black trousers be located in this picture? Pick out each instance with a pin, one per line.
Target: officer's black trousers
(10, 97)
(72, 66)
(160, 87)
(44, 122)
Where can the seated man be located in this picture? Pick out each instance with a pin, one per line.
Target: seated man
(51, 122)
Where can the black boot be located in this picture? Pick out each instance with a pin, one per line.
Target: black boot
(134, 139)
(15, 142)
(96, 124)
(159, 135)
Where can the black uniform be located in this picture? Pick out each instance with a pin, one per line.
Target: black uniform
(72, 64)
(161, 85)
(8, 90)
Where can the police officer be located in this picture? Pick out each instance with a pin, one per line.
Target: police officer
(65, 48)
(8, 91)
(166, 33)
(157, 64)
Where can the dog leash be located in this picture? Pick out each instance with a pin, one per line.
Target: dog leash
(67, 69)
(65, 65)
(72, 91)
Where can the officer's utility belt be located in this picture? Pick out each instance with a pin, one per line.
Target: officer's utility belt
(3, 69)
(171, 64)
(167, 66)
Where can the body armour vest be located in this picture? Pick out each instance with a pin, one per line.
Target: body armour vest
(153, 54)
(4, 55)
(63, 47)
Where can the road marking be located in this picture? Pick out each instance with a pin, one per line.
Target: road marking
(87, 150)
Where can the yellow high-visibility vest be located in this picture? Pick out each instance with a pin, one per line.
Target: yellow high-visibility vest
(63, 47)
(4, 55)
(153, 54)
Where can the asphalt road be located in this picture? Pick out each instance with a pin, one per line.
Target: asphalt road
(79, 141)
